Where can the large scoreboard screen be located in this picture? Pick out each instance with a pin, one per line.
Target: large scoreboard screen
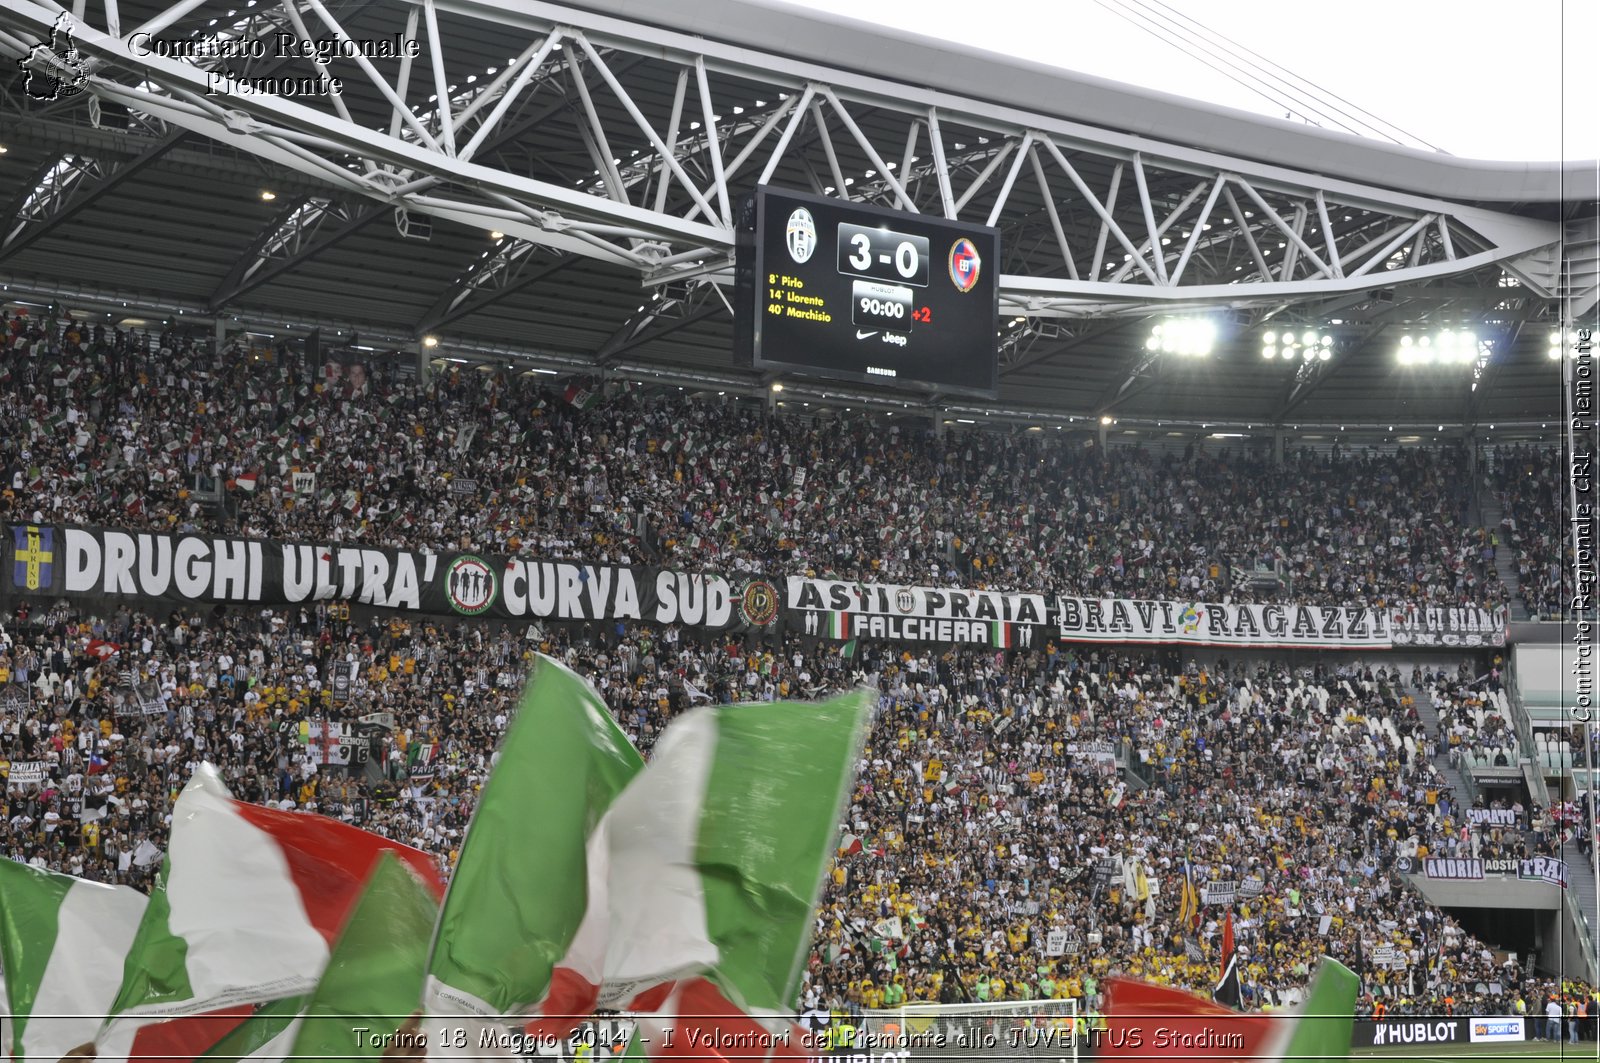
(843, 290)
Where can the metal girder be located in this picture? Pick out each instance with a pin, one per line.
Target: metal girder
(670, 310)
(1272, 234)
(1143, 376)
(293, 239)
(1308, 377)
(506, 271)
(72, 184)
(1074, 333)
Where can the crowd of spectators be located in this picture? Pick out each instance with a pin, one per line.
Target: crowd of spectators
(989, 810)
(114, 427)
(1532, 483)
(1474, 719)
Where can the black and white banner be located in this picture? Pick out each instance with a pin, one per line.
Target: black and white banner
(1492, 817)
(97, 562)
(68, 561)
(1222, 891)
(841, 609)
(922, 603)
(27, 773)
(1545, 869)
(1420, 1030)
(1501, 866)
(1210, 624)
(1451, 867)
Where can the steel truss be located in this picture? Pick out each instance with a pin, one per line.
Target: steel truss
(1094, 222)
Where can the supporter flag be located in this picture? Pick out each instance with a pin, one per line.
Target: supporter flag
(580, 396)
(246, 481)
(1198, 1028)
(850, 845)
(62, 944)
(698, 1022)
(244, 911)
(1227, 942)
(1188, 900)
(101, 649)
(522, 884)
(375, 973)
(717, 854)
(1227, 992)
(419, 758)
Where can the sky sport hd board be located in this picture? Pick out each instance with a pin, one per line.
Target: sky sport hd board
(838, 289)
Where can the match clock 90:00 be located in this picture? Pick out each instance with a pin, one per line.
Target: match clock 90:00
(841, 289)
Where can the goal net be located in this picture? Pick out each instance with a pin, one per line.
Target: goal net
(1014, 1029)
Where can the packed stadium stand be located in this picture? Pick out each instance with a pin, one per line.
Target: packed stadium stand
(991, 807)
(1271, 689)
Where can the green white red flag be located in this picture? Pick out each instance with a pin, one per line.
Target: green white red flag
(715, 862)
(62, 945)
(246, 907)
(1152, 1022)
(522, 883)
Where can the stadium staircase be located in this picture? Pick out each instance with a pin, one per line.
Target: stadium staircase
(1460, 785)
(1581, 888)
(1490, 516)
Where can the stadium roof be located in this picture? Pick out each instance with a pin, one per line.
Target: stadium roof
(146, 191)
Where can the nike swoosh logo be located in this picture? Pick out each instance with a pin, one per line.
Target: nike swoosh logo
(863, 335)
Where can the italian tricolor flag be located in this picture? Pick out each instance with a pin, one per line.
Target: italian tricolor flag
(522, 885)
(1004, 635)
(248, 903)
(62, 945)
(837, 625)
(375, 974)
(715, 859)
(1197, 1028)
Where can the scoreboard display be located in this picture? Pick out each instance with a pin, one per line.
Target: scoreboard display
(838, 289)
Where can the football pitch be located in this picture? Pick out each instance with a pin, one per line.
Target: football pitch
(1528, 1050)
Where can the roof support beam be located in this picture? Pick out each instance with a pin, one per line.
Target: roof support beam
(633, 332)
(256, 267)
(84, 193)
(486, 284)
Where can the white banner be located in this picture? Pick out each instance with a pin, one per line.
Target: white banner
(329, 743)
(1501, 1028)
(1210, 624)
(1451, 867)
(1439, 626)
(1223, 891)
(921, 603)
(1545, 869)
(1492, 817)
(1055, 943)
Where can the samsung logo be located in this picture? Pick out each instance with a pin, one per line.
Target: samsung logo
(873, 370)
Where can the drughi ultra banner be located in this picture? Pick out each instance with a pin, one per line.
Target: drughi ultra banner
(55, 561)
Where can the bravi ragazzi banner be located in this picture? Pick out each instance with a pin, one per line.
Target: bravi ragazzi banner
(842, 609)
